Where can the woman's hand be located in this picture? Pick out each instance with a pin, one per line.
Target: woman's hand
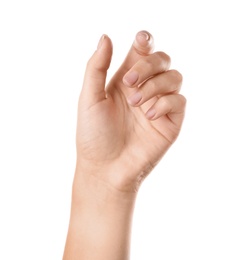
(125, 128)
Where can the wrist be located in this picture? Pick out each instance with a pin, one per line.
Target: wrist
(120, 176)
(94, 184)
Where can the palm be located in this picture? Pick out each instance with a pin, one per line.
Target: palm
(116, 130)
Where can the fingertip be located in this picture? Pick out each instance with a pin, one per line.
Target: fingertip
(144, 42)
(101, 40)
(143, 38)
(151, 114)
(96, 71)
(104, 42)
(101, 58)
(130, 78)
(135, 99)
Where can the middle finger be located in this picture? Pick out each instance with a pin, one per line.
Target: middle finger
(164, 83)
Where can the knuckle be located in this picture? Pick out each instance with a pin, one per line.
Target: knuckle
(176, 75)
(164, 58)
(165, 104)
(183, 100)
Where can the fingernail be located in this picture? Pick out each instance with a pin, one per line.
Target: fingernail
(143, 35)
(144, 42)
(130, 78)
(151, 113)
(143, 38)
(135, 98)
(101, 41)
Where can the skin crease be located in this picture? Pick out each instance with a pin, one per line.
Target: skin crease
(124, 128)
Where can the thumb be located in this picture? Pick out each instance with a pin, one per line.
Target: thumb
(93, 90)
(142, 46)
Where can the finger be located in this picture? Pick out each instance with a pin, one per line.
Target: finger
(96, 71)
(171, 105)
(164, 83)
(147, 67)
(142, 46)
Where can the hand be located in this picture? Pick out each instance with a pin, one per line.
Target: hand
(125, 128)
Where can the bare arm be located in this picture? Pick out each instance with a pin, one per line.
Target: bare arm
(123, 131)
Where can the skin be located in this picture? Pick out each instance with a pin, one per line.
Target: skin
(124, 128)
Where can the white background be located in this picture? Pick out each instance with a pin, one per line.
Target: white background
(185, 207)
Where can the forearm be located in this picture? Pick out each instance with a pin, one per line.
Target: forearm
(100, 222)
